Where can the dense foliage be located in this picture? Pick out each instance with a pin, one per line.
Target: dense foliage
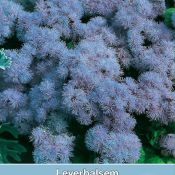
(90, 77)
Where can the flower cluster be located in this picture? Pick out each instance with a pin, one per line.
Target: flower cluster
(73, 63)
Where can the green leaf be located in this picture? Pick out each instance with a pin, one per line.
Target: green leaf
(11, 148)
(8, 128)
(168, 16)
(155, 136)
(70, 45)
(142, 157)
(169, 160)
(1, 159)
(171, 127)
(155, 159)
(5, 62)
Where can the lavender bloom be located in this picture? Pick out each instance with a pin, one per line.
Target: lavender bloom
(96, 7)
(24, 121)
(113, 147)
(79, 94)
(51, 148)
(9, 12)
(13, 98)
(43, 99)
(57, 123)
(61, 15)
(159, 7)
(19, 72)
(155, 97)
(131, 13)
(167, 143)
(27, 20)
